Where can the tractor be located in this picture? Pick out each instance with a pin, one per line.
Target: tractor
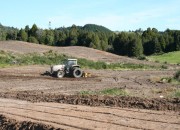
(70, 68)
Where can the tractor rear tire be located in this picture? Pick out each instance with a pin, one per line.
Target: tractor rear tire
(77, 73)
(60, 74)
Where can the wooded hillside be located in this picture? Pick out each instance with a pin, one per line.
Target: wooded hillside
(132, 43)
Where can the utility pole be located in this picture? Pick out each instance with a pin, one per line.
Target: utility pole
(49, 25)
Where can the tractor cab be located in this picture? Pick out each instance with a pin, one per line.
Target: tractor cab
(70, 64)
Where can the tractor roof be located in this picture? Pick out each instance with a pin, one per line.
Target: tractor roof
(72, 59)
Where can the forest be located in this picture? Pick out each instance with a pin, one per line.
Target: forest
(131, 43)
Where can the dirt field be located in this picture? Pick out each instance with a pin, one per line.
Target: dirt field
(82, 117)
(137, 83)
(28, 83)
(75, 51)
(51, 103)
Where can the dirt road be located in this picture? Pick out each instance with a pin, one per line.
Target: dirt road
(84, 117)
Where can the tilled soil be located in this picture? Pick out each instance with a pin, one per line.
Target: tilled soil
(78, 51)
(95, 100)
(66, 109)
(12, 124)
(27, 83)
(84, 117)
(75, 51)
(136, 83)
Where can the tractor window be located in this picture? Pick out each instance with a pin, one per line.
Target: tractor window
(71, 62)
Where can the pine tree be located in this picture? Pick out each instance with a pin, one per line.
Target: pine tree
(33, 30)
(135, 47)
(23, 35)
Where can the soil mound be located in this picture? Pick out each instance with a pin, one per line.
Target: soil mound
(11, 124)
(96, 100)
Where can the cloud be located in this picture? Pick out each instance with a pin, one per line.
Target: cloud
(120, 21)
(110, 21)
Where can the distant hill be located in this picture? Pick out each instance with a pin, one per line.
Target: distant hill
(7, 33)
(96, 28)
(89, 27)
(7, 28)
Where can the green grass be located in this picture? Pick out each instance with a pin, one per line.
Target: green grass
(175, 80)
(171, 57)
(176, 93)
(52, 58)
(4, 65)
(108, 91)
(115, 66)
(48, 58)
(170, 80)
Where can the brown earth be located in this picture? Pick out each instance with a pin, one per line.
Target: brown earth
(137, 83)
(92, 112)
(75, 51)
(83, 117)
(12, 124)
(96, 100)
(66, 109)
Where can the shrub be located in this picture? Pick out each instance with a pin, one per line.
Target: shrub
(164, 67)
(177, 93)
(165, 62)
(107, 91)
(177, 75)
(33, 40)
(114, 91)
(142, 57)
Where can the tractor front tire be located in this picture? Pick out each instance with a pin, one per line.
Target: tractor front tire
(60, 74)
(77, 72)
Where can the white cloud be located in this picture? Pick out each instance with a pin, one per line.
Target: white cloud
(117, 21)
(110, 21)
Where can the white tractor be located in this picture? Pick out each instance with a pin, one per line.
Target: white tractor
(69, 68)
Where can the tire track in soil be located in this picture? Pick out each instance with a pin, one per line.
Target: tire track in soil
(105, 113)
(71, 117)
(128, 126)
(123, 109)
(73, 126)
(11, 124)
(25, 110)
(94, 119)
(54, 122)
(116, 108)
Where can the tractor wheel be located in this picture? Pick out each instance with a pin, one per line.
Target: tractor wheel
(60, 74)
(77, 73)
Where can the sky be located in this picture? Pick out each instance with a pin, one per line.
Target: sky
(117, 15)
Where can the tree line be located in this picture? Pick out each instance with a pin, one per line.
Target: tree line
(132, 43)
